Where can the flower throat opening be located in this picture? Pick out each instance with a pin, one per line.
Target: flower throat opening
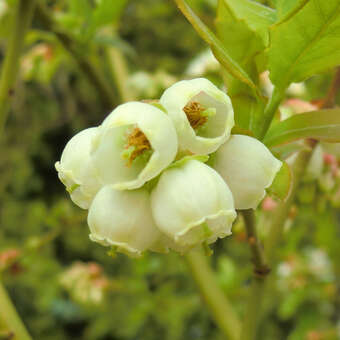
(197, 114)
(137, 145)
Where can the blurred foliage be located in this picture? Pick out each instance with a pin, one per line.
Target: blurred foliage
(66, 287)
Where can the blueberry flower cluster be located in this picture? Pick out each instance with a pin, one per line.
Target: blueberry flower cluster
(143, 177)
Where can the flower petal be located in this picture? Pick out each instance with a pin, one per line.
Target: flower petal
(248, 167)
(217, 128)
(76, 170)
(123, 219)
(192, 204)
(108, 148)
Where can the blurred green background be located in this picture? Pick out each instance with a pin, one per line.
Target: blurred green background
(66, 287)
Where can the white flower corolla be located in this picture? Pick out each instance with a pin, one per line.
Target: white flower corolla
(123, 219)
(203, 63)
(76, 169)
(136, 142)
(192, 204)
(294, 89)
(202, 114)
(248, 167)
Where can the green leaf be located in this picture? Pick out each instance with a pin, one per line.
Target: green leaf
(291, 303)
(180, 162)
(243, 45)
(258, 17)
(283, 151)
(281, 185)
(305, 44)
(321, 125)
(217, 47)
(108, 12)
(241, 42)
(246, 108)
(287, 8)
(79, 8)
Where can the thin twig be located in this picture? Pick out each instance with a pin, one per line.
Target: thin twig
(261, 268)
(21, 22)
(10, 318)
(120, 72)
(93, 73)
(258, 288)
(220, 308)
(332, 92)
(270, 110)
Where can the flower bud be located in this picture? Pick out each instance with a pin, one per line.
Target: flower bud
(192, 204)
(123, 219)
(332, 148)
(85, 282)
(76, 169)
(248, 167)
(136, 142)
(202, 114)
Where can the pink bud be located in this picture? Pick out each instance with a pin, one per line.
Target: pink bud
(94, 269)
(268, 204)
(299, 106)
(329, 158)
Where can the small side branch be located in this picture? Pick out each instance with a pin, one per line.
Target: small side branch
(329, 101)
(9, 318)
(218, 304)
(261, 268)
(259, 286)
(271, 109)
(93, 73)
(21, 22)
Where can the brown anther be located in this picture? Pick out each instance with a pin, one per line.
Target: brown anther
(194, 110)
(138, 140)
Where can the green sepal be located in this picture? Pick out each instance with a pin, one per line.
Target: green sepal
(180, 162)
(282, 183)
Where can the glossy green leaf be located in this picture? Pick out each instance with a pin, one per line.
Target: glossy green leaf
(217, 47)
(243, 45)
(258, 17)
(321, 125)
(246, 108)
(79, 8)
(283, 151)
(241, 42)
(287, 8)
(306, 44)
(281, 185)
(108, 12)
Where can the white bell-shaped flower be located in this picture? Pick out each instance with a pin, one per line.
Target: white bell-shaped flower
(76, 170)
(203, 115)
(136, 142)
(248, 167)
(192, 204)
(123, 219)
